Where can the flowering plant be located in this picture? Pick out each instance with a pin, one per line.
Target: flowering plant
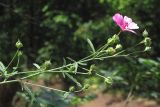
(111, 49)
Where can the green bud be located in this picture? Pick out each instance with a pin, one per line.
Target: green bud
(147, 49)
(118, 47)
(147, 41)
(92, 68)
(72, 88)
(113, 40)
(110, 41)
(71, 68)
(145, 33)
(19, 44)
(47, 64)
(110, 51)
(20, 53)
(108, 81)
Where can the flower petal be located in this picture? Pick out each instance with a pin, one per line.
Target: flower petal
(129, 30)
(133, 25)
(127, 19)
(118, 19)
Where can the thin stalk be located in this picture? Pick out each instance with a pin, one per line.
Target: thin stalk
(101, 76)
(12, 59)
(37, 85)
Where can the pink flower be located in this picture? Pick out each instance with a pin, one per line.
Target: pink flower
(125, 23)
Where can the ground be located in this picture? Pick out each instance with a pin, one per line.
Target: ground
(110, 100)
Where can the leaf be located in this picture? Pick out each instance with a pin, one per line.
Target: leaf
(45, 8)
(29, 91)
(64, 63)
(71, 59)
(37, 66)
(2, 67)
(80, 63)
(148, 62)
(73, 79)
(61, 18)
(91, 45)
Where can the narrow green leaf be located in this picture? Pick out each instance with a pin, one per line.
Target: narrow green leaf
(91, 45)
(28, 91)
(2, 67)
(64, 63)
(37, 66)
(73, 79)
(71, 59)
(75, 67)
(80, 63)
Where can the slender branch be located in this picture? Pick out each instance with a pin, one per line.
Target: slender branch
(37, 85)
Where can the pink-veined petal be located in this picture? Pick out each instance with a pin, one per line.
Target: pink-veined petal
(127, 20)
(133, 26)
(118, 19)
(129, 30)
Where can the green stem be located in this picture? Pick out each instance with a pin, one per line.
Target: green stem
(100, 76)
(37, 85)
(10, 81)
(12, 59)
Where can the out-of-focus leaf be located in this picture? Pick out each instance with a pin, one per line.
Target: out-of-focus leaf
(61, 18)
(91, 45)
(44, 9)
(148, 62)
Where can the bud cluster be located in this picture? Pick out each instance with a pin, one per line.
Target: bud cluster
(112, 51)
(147, 41)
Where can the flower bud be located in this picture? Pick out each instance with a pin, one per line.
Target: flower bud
(147, 41)
(113, 40)
(19, 44)
(110, 51)
(72, 88)
(147, 48)
(145, 33)
(92, 68)
(110, 41)
(46, 64)
(118, 47)
(108, 81)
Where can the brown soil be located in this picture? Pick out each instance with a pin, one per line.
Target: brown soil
(110, 100)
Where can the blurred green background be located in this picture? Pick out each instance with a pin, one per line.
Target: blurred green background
(55, 29)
